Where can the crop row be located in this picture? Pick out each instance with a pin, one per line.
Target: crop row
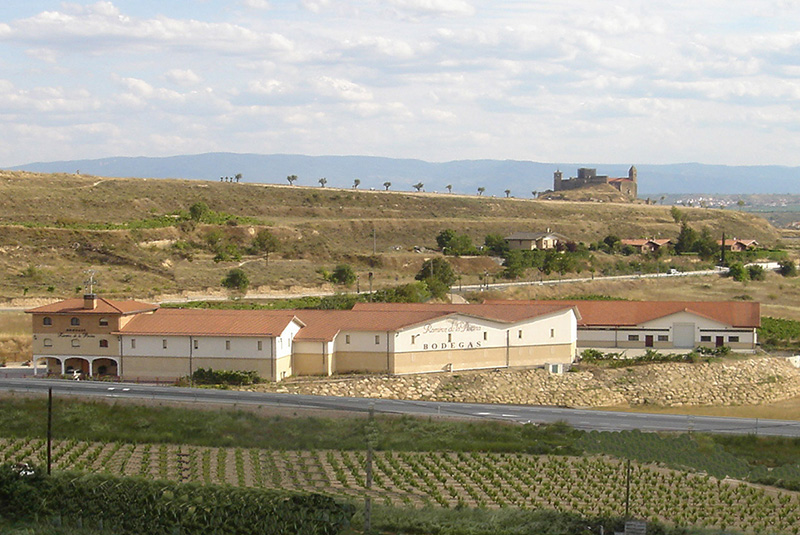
(586, 485)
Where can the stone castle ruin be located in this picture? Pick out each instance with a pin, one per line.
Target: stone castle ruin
(589, 177)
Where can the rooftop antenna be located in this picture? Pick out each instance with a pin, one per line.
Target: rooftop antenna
(89, 284)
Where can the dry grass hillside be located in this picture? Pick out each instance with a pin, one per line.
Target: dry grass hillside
(54, 227)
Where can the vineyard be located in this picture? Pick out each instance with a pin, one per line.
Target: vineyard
(591, 486)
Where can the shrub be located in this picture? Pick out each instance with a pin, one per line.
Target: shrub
(236, 279)
(787, 268)
(343, 274)
(225, 377)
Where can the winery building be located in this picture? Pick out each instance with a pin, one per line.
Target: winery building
(662, 325)
(133, 340)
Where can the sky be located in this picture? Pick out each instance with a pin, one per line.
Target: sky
(639, 82)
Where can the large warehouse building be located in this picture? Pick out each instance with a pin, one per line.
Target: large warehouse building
(130, 339)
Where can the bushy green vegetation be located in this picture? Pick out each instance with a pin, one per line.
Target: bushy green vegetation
(779, 333)
(650, 356)
(204, 376)
(136, 506)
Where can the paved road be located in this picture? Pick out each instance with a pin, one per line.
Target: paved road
(580, 419)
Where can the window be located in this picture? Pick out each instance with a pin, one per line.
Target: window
(347, 339)
(76, 342)
(75, 321)
(663, 338)
(552, 333)
(103, 343)
(260, 345)
(227, 345)
(133, 343)
(103, 322)
(633, 338)
(449, 337)
(733, 339)
(164, 343)
(705, 338)
(519, 334)
(47, 320)
(413, 339)
(377, 339)
(485, 335)
(48, 342)
(195, 344)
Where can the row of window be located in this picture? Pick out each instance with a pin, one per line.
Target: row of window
(449, 337)
(74, 321)
(665, 338)
(76, 342)
(196, 344)
(635, 338)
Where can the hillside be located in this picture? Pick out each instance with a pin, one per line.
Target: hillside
(520, 176)
(55, 226)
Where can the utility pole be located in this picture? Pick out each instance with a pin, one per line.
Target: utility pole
(49, 429)
(722, 251)
(367, 499)
(628, 491)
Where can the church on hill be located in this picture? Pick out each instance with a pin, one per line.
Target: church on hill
(589, 177)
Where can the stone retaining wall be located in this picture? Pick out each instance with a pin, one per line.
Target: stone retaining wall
(747, 382)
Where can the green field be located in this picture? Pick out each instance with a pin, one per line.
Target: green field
(431, 464)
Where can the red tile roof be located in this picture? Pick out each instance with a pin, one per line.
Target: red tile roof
(504, 314)
(639, 242)
(104, 306)
(185, 322)
(325, 324)
(621, 313)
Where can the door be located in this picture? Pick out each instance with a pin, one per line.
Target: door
(683, 334)
(720, 341)
(648, 340)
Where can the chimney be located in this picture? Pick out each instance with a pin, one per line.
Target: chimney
(89, 301)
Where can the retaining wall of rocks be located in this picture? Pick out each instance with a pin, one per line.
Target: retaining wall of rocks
(745, 382)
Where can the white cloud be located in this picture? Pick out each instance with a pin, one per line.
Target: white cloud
(184, 77)
(435, 7)
(256, 4)
(340, 89)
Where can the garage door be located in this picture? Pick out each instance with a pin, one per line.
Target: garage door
(683, 334)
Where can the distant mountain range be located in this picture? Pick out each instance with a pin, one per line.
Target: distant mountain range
(465, 176)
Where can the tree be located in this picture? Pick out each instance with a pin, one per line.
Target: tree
(534, 193)
(496, 244)
(387, 185)
(236, 280)
(444, 238)
(238, 177)
(322, 182)
(449, 188)
(686, 239)
(740, 204)
(438, 275)
(481, 190)
(418, 186)
(265, 243)
(756, 272)
(507, 192)
(677, 215)
(787, 268)
(356, 183)
(292, 179)
(705, 245)
(612, 243)
(198, 211)
(343, 274)
(737, 272)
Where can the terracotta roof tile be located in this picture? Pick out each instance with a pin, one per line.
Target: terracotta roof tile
(104, 306)
(504, 314)
(211, 322)
(619, 313)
